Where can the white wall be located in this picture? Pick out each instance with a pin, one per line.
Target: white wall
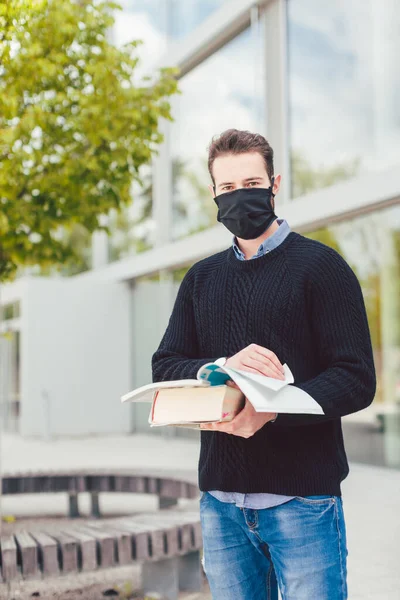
(152, 304)
(75, 357)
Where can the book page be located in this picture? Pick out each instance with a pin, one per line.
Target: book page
(290, 400)
(265, 393)
(146, 392)
(262, 380)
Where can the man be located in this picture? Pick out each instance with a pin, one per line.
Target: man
(271, 507)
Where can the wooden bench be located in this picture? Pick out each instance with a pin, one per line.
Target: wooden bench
(168, 488)
(166, 543)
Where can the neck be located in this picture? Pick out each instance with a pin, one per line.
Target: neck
(250, 247)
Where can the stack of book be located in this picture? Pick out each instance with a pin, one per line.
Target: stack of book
(207, 399)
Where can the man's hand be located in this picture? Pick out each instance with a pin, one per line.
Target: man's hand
(259, 360)
(245, 424)
(254, 359)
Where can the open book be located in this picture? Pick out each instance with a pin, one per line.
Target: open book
(265, 393)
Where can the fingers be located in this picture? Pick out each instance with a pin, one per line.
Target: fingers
(237, 423)
(258, 360)
(266, 368)
(223, 427)
(265, 353)
(268, 365)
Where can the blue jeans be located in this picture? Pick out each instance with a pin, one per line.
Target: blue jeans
(299, 546)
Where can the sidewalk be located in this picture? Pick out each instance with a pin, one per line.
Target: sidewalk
(371, 496)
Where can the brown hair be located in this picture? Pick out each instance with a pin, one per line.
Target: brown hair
(234, 141)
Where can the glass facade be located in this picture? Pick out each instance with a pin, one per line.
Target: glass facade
(145, 20)
(186, 15)
(159, 22)
(371, 245)
(11, 311)
(10, 380)
(132, 228)
(214, 97)
(344, 89)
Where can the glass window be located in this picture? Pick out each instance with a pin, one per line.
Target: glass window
(186, 15)
(10, 380)
(371, 245)
(344, 89)
(156, 23)
(179, 273)
(144, 20)
(132, 228)
(214, 97)
(159, 22)
(11, 311)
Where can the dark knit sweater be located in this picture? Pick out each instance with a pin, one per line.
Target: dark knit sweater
(303, 302)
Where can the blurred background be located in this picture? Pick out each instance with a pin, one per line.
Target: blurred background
(321, 81)
(104, 206)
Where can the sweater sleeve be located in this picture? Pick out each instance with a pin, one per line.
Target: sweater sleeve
(178, 354)
(347, 382)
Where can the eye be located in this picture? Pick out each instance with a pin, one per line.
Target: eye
(226, 188)
(252, 183)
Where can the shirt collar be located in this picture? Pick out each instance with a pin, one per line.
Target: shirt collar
(268, 244)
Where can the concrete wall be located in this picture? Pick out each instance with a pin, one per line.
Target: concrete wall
(151, 307)
(75, 357)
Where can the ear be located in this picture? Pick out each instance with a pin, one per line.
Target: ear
(211, 188)
(277, 184)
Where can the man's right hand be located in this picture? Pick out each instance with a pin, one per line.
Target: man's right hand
(259, 360)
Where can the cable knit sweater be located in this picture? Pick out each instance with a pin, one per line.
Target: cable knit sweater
(303, 302)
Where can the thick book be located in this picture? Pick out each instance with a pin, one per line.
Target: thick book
(193, 406)
(266, 394)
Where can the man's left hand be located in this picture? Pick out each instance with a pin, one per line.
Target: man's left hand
(245, 424)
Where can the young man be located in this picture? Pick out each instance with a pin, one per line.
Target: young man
(271, 507)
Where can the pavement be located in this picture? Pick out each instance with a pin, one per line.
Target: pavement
(371, 496)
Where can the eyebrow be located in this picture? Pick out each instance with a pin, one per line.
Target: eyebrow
(246, 180)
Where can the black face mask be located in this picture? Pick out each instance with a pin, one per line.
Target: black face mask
(247, 212)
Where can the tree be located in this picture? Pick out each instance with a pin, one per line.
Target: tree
(76, 125)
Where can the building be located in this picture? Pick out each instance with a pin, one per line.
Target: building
(320, 80)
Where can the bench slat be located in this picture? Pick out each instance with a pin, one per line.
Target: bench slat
(68, 551)
(105, 544)
(166, 532)
(169, 488)
(9, 558)
(122, 539)
(29, 554)
(88, 551)
(47, 553)
(141, 538)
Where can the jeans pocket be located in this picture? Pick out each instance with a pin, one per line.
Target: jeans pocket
(316, 500)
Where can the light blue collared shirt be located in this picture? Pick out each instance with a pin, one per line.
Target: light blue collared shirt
(258, 501)
(269, 244)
